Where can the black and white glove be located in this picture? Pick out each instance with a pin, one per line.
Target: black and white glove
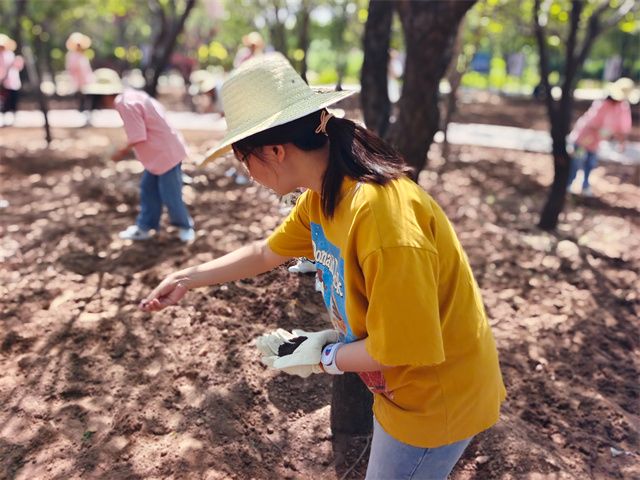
(296, 353)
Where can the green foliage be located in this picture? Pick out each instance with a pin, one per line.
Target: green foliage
(121, 28)
(506, 26)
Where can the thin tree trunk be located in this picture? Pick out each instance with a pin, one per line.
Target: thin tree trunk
(455, 78)
(374, 95)
(34, 78)
(167, 49)
(430, 29)
(337, 42)
(351, 411)
(21, 8)
(277, 31)
(303, 36)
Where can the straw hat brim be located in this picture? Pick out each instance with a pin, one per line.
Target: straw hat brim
(97, 89)
(620, 94)
(317, 102)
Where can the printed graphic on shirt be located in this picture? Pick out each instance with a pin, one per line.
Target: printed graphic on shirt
(330, 273)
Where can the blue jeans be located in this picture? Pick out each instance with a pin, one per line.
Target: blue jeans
(157, 191)
(392, 459)
(585, 160)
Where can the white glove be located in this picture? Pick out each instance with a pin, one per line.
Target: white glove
(269, 343)
(309, 352)
(304, 360)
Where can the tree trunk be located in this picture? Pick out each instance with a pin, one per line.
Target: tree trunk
(21, 8)
(351, 411)
(374, 96)
(430, 30)
(277, 31)
(558, 192)
(303, 36)
(351, 404)
(455, 78)
(34, 79)
(337, 41)
(160, 61)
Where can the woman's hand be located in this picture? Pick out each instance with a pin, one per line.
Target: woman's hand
(170, 291)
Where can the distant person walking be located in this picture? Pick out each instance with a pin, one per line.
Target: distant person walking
(253, 46)
(160, 149)
(605, 119)
(10, 84)
(79, 69)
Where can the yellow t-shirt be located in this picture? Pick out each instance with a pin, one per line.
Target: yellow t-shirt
(394, 272)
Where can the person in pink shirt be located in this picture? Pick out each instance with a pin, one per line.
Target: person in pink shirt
(159, 147)
(605, 119)
(79, 69)
(10, 84)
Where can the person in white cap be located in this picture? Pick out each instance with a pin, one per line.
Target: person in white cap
(10, 84)
(158, 146)
(605, 119)
(406, 311)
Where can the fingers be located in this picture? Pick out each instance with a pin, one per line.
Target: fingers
(269, 343)
(163, 296)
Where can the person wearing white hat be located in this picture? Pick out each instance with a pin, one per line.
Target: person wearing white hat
(158, 146)
(406, 311)
(10, 84)
(253, 46)
(79, 69)
(605, 119)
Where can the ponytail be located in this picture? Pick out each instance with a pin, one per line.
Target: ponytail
(360, 154)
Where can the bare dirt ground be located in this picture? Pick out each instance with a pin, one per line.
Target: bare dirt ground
(91, 387)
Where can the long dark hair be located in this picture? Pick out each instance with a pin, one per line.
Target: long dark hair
(354, 152)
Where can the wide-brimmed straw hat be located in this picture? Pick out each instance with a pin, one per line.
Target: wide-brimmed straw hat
(78, 41)
(622, 89)
(105, 82)
(7, 42)
(265, 92)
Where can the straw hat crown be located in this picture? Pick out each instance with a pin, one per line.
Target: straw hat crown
(7, 42)
(265, 92)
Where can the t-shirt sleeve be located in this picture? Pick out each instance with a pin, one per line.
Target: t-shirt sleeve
(293, 237)
(133, 119)
(403, 319)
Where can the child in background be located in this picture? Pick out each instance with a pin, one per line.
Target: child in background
(608, 118)
(407, 313)
(79, 70)
(10, 84)
(159, 148)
